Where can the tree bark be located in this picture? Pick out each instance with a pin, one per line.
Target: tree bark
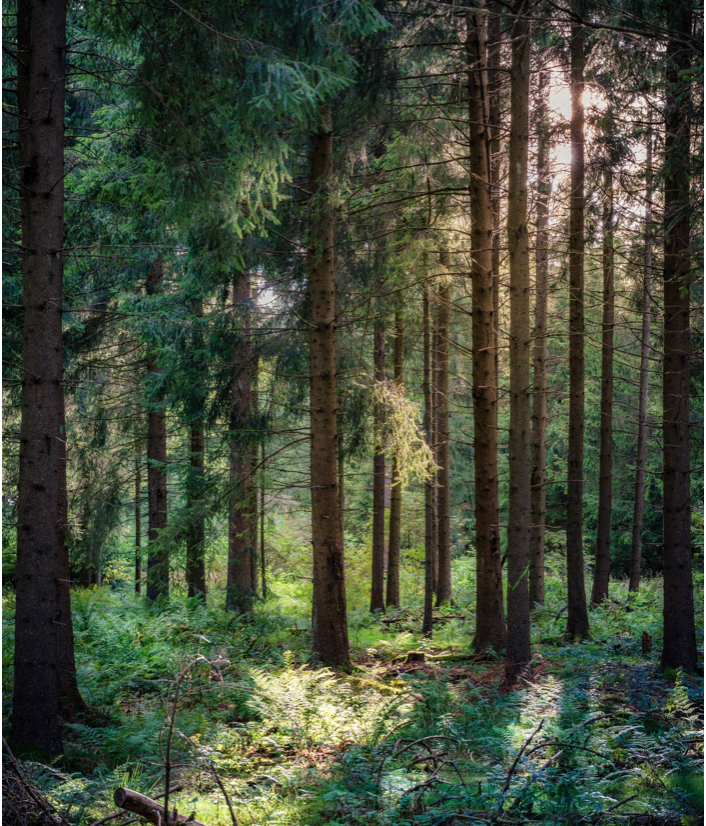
(395, 541)
(641, 459)
(518, 531)
(494, 49)
(428, 622)
(43, 605)
(196, 537)
(538, 501)
(239, 596)
(330, 626)
(490, 619)
(443, 585)
(377, 580)
(577, 624)
(138, 525)
(253, 511)
(157, 552)
(679, 649)
(601, 569)
(263, 555)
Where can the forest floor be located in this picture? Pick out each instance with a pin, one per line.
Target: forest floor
(596, 735)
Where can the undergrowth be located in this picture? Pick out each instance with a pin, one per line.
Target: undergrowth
(597, 734)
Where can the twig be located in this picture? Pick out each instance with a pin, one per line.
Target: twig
(519, 756)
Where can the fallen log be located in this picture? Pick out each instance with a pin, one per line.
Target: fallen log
(152, 811)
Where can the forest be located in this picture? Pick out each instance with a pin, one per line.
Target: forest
(352, 412)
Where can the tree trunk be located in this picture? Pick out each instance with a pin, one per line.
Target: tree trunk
(263, 556)
(377, 581)
(518, 531)
(490, 619)
(601, 569)
(252, 504)
(577, 625)
(443, 585)
(42, 559)
(395, 541)
(495, 78)
(239, 594)
(157, 553)
(641, 460)
(196, 537)
(138, 525)
(538, 501)
(330, 625)
(428, 622)
(434, 374)
(679, 650)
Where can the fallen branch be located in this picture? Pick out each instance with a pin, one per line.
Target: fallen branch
(177, 787)
(148, 808)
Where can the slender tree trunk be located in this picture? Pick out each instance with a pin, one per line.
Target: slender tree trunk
(253, 511)
(679, 650)
(196, 537)
(443, 587)
(157, 552)
(577, 625)
(428, 622)
(138, 525)
(494, 48)
(43, 609)
(518, 532)
(601, 570)
(395, 542)
(239, 595)
(434, 367)
(641, 461)
(377, 581)
(490, 619)
(330, 626)
(538, 504)
(263, 556)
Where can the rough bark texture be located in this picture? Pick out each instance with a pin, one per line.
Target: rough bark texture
(428, 622)
(377, 579)
(495, 79)
(520, 457)
(641, 458)
(434, 378)
(577, 625)
(538, 496)
(157, 553)
(239, 594)
(490, 619)
(679, 649)
(42, 561)
(253, 512)
(263, 552)
(395, 541)
(138, 525)
(601, 569)
(330, 627)
(196, 536)
(443, 585)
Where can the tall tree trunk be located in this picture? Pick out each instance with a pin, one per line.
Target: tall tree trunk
(428, 622)
(377, 580)
(40, 609)
(518, 531)
(538, 501)
(601, 569)
(138, 524)
(577, 625)
(196, 537)
(490, 619)
(679, 650)
(434, 368)
(443, 586)
(395, 541)
(330, 625)
(263, 556)
(253, 511)
(641, 460)
(239, 594)
(157, 552)
(495, 77)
